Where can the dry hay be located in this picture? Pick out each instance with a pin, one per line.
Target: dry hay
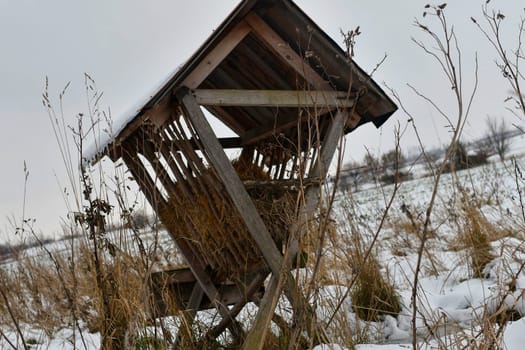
(206, 219)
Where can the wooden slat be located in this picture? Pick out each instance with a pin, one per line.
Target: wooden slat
(257, 335)
(282, 48)
(248, 293)
(141, 176)
(194, 262)
(273, 98)
(215, 56)
(209, 288)
(263, 132)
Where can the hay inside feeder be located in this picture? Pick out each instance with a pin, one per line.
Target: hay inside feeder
(203, 214)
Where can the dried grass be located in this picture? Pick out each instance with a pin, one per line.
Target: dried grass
(208, 221)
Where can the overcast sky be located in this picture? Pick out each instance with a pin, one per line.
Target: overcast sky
(128, 46)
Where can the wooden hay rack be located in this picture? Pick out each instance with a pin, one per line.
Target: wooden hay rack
(238, 222)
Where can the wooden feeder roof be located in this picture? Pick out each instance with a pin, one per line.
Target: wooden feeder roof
(265, 54)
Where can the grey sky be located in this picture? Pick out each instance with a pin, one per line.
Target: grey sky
(127, 46)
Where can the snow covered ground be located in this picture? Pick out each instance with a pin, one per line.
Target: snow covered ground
(451, 303)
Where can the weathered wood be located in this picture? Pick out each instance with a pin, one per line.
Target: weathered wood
(141, 176)
(249, 292)
(226, 142)
(353, 120)
(241, 199)
(286, 328)
(329, 145)
(216, 56)
(312, 194)
(195, 264)
(195, 301)
(320, 170)
(257, 335)
(265, 131)
(283, 49)
(209, 288)
(273, 98)
(231, 181)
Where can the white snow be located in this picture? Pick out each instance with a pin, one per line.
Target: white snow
(103, 139)
(450, 300)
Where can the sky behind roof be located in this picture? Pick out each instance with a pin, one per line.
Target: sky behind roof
(128, 46)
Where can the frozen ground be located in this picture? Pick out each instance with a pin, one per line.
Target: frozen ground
(448, 296)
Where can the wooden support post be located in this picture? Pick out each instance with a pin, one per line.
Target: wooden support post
(320, 168)
(253, 287)
(322, 163)
(312, 195)
(256, 337)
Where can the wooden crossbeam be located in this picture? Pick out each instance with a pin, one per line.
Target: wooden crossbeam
(273, 98)
(264, 131)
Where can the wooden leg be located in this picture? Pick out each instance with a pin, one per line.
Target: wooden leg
(253, 286)
(257, 335)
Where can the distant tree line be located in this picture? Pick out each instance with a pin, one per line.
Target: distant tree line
(8, 251)
(392, 166)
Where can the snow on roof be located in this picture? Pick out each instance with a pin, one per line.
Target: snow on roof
(101, 140)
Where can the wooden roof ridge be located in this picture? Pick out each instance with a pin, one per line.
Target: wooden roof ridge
(231, 32)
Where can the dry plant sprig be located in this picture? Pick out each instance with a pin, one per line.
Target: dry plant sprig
(372, 244)
(14, 319)
(509, 59)
(447, 55)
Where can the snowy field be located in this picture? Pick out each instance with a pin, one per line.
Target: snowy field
(451, 303)
(451, 298)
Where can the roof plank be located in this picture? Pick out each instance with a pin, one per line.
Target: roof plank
(283, 49)
(216, 55)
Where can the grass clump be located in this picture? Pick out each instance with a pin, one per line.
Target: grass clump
(476, 238)
(476, 233)
(372, 295)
